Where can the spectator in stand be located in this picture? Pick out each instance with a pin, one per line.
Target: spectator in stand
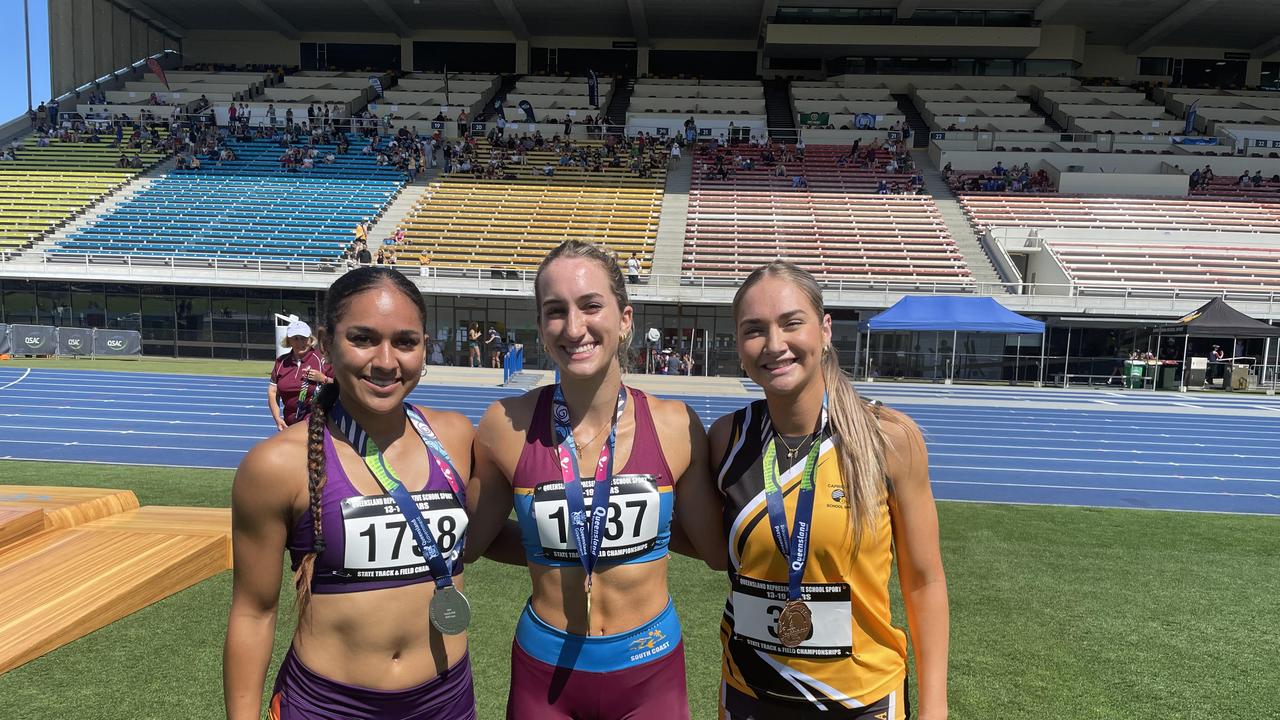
(1257, 178)
(999, 169)
(799, 181)
(882, 187)
(800, 149)
(633, 269)
(1195, 179)
(381, 258)
(1243, 179)
(462, 123)
(424, 264)
(363, 256)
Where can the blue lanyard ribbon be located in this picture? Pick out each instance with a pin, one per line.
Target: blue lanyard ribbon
(794, 546)
(587, 538)
(440, 566)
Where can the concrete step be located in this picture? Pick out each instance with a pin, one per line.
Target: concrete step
(103, 207)
(668, 250)
(984, 272)
(401, 207)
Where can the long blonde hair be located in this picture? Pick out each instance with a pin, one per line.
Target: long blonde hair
(859, 441)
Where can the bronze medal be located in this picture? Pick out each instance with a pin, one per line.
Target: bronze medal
(795, 623)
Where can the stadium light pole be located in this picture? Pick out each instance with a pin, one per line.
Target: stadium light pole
(26, 31)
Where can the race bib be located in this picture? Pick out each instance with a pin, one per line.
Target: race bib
(630, 529)
(379, 544)
(756, 604)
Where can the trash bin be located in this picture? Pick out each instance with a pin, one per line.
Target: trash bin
(1167, 377)
(1134, 372)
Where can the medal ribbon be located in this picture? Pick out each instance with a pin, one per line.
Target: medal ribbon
(794, 546)
(587, 537)
(440, 566)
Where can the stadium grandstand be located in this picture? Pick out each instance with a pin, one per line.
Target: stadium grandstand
(199, 172)
(1123, 171)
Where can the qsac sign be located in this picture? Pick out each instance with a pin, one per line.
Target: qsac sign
(33, 339)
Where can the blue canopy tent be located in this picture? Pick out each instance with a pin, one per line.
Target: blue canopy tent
(939, 313)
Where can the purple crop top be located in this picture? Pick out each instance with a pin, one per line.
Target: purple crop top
(368, 545)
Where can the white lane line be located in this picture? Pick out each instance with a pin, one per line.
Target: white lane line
(1108, 489)
(106, 462)
(1049, 448)
(131, 421)
(989, 469)
(133, 432)
(1106, 402)
(15, 382)
(118, 445)
(1082, 505)
(1100, 461)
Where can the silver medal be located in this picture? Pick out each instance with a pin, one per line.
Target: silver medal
(450, 612)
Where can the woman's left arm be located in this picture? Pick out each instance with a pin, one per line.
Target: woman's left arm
(924, 584)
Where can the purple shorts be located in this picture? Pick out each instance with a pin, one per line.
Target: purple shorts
(637, 675)
(300, 694)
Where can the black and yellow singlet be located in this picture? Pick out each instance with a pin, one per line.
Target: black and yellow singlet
(855, 655)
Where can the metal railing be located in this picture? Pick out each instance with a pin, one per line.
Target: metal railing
(519, 280)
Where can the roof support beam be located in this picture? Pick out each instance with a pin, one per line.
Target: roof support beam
(767, 10)
(1047, 8)
(639, 23)
(152, 16)
(271, 18)
(1266, 49)
(1174, 20)
(390, 17)
(907, 8)
(512, 16)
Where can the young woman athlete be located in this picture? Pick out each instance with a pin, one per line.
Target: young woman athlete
(598, 466)
(380, 622)
(821, 491)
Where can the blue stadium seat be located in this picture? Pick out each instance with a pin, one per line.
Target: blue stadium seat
(246, 209)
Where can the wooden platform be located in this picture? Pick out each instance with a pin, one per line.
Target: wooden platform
(73, 560)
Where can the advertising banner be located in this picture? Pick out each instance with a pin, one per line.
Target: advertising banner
(33, 339)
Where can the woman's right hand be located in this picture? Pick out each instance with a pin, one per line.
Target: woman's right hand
(280, 424)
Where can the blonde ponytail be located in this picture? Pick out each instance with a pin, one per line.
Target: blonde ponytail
(859, 447)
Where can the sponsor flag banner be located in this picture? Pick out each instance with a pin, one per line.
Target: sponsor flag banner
(527, 109)
(33, 339)
(1190, 126)
(158, 71)
(117, 342)
(593, 88)
(75, 341)
(815, 118)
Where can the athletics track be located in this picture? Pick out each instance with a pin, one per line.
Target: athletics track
(1102, 448)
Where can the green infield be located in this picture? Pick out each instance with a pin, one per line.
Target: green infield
(1056, 613)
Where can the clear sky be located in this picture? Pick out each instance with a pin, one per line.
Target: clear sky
(13, 57)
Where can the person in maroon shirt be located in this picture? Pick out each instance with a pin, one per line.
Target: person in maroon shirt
(296, 377)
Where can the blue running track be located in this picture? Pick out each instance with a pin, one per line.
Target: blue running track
(1100, 448)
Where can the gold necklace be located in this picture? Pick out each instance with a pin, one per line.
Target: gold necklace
(793, 451)
(579, 446)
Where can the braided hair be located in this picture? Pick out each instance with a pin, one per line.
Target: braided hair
(335, 306)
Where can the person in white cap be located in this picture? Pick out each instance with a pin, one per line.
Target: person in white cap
(297, 376)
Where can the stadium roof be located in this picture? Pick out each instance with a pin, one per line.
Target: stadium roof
(1250, 25)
